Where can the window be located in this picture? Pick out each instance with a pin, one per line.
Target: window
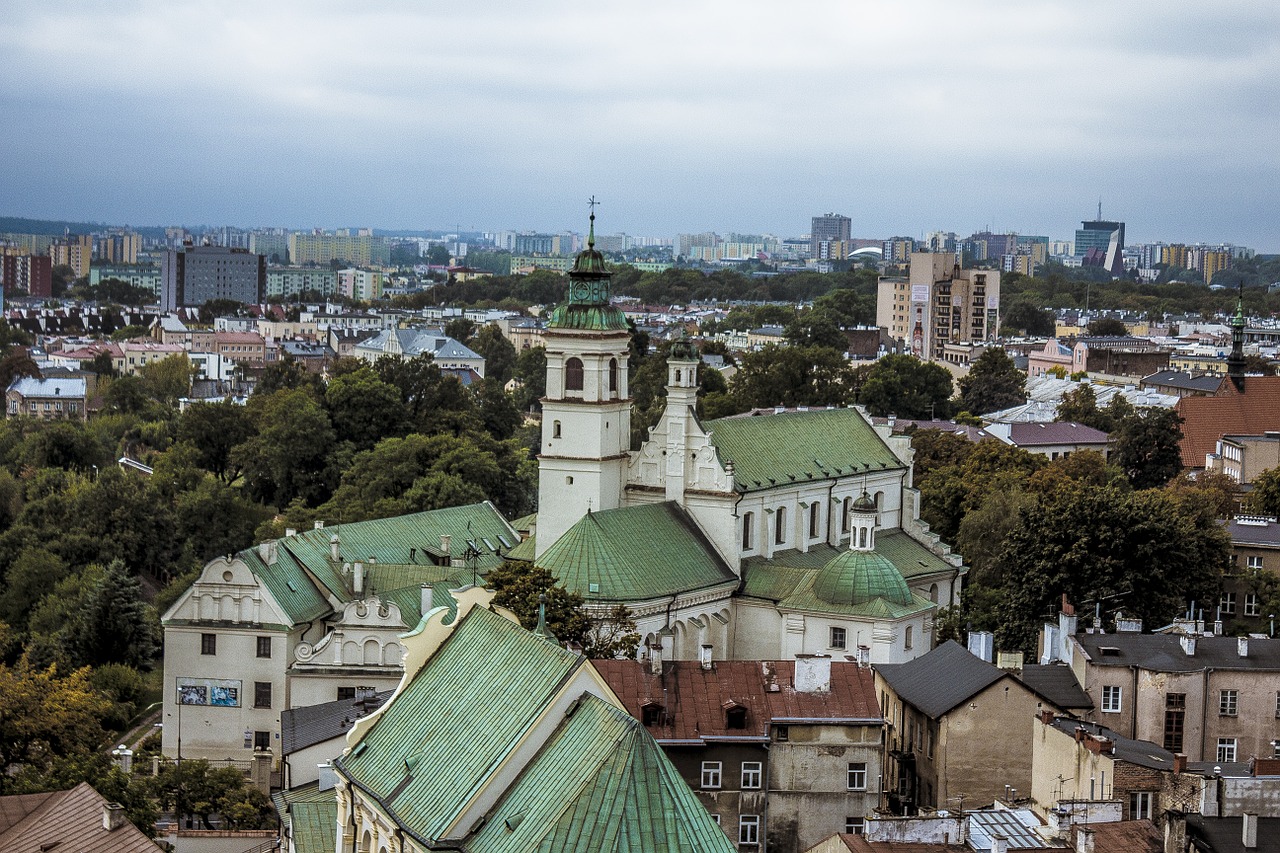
(346, 693)
(748, 531)
(1278, 704)
(710, 774)
(735, 717)
(264, 647)
(1251, 606)
(262, 694)
(780, 526)
(1226, 749)
(262, 741)
(1111, 697)
(651, 714)
(1140, 805)
(1228, 603)
(1228, 702)
(555, 429)
(853, 825)
(208, 644)
(573, 374)
(907, 641)
(838, 638)
(751, 774)
(857, 776)
(782, 734)
(815, 519)
(1253, 562)
(1175, 714)
(844, 515)
(613, 375)
(749, 829)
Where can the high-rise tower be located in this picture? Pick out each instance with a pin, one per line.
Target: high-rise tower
(586, 415)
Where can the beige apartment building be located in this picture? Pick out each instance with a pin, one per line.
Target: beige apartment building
(939, 304)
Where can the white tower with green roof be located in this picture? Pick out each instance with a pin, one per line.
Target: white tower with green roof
(586, 415)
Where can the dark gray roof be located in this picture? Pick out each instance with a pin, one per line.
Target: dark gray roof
(1223, 834)
(1054, 432)
(1057, 683)
(1163, 652)
(1178, 379)
(940, 680)
(304, 727)
(1253, 533)
(1140, 752)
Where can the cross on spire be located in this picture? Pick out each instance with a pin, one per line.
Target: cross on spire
(591, 234)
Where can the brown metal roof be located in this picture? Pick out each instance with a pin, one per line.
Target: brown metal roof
(72, 820)
(1206, 419)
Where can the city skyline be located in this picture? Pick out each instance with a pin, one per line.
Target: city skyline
(907, 119)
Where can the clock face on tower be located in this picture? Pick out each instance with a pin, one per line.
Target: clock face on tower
(581, 291)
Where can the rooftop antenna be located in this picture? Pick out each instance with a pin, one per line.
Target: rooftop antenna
(1099, 209)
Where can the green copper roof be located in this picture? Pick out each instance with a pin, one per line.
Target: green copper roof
(777, 449)
(423, 757)
(910, 557)
(592, 318)
(587, 306)
(634, 554)
(310, 815)
(857, 577)
(525, 550)
(599, 784)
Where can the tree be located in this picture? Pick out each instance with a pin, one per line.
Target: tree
(908, 387)
(197, 788)
(289, 455)
(116, 625)
(46, 716)
(993, 383)
(531, 370)
(1147, 447)
(438, 255)
(214, 429)
(1107, 327)
(168, 379)
(1265, 497)
(28, 579)
(364, 409)
(792, 376)
(215, 308)
(460, 329)
(816, 329)
(288, 374)
(1021, 316)
(499, 353)
(17, 362)
(498, 412)
(1145, 553)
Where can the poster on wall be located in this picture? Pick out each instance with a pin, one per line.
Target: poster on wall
(219, 692)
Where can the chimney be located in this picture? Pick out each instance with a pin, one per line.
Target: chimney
(1046, 717)
(813, 673)
(328, 776)
(1242, 646)
(319, 524)
(428, 595)
(1084, 840)
(334, 552)
(113, 817)
(1175, 832)
(999, 844)
(864, 656)
(1249, 832)
(704, 656)
(1179, 762)
(981, 644)
(445, 542)
(290, 532)
(1188, 644)
(357, 582)
(1128, 625)
(655, 658)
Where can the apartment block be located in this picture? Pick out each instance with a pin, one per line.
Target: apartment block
(939, 304)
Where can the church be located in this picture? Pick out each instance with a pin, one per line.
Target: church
(752, 537)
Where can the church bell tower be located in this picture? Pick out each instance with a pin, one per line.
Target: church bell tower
(586, 414)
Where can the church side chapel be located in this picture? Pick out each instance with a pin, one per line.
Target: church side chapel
(754, 537)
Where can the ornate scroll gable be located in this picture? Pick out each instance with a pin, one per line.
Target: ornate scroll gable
(704, 470)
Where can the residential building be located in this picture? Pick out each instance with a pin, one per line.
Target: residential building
(117, 247)
(828, 227)
(363, 285)
(143, 276)
(1091, 773)
(78, 819)
(30, 273)
(75, 251)
(1244, 457)
(446, 353)
(306, 618)
(1255, 548)
(1055, 439)
(47, 399)
(795, 743)
(320, 248)
(272, 244)
(241, 347)
(135, 355)
(764, 535)
(291, 281)
(939, 303)
(194, 275)
(1180, 384)
(315, 735)
(539, 756)
(959, 729)
(1117, 356)
(1211, 697)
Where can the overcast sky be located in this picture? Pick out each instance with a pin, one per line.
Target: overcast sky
(907, 116)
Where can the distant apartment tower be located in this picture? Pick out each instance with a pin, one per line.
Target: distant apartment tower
(32, 273)
(321, 249)
(830, 227)
(75, 251)
(272, 243)
(1100, 243)
(193, 275)
(117, 247)
(364, 285)
(939, 304)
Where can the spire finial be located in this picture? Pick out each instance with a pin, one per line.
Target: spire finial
(591, 233)
(542, 630)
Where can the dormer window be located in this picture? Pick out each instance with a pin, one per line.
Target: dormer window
(652, 714)
(735, 716)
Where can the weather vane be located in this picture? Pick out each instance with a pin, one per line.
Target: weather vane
(591, 203)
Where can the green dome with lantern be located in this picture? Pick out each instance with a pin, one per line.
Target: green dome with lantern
(587, 306)
(857, 577)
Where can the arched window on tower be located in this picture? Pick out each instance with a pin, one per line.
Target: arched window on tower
(613, 376)
(573, 374)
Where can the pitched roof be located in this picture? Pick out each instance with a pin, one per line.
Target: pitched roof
(1253, 531)
(1054, 432)
(635, 553)
(1230, 412)
(310, 815)
(1223, 834)
(313, 724)
(34, 386)
(940, 680)
(860, 844)
(1057, 683)
(67, 820)
(694, 699)
(1207, 384)
(1143, 753)
(1018, 826)
(1164, 653)
(1122, 836)
(779, 449)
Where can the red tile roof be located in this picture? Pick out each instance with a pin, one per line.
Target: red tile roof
(695, 700)
(1207, 419)
(1126, 836)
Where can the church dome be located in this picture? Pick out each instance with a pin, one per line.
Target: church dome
(864, 503)
(856, 577)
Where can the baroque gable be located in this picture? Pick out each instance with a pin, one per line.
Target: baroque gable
(703, 469)
(366, 633)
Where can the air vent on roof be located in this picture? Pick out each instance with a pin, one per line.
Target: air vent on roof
(1109, 651)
